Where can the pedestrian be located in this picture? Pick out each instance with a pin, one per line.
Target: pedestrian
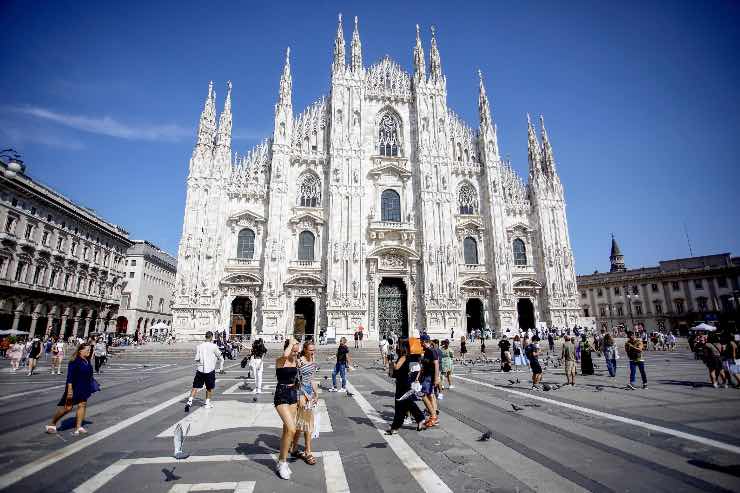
(713, 360)
(357, 339)
(729, 361)
(15, 353)
(483, 347)
(383, 348)
(463, 348)
(568, 358)
(518, 353)
(57, 355)
(48, 343)
(344, 360)
(402, 373)
(207, 355)
(361, 335)
(307, 401)
(429, 378)
(79, 387)
(610, 354)
(504, 345)
(256, 366)
(587, 364)
(533, 351)
(447, 363)
(33, 355)
(101, 354)
(550, 342)
(285, 400)
(633, 347)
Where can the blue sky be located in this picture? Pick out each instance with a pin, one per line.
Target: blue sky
(640, 98)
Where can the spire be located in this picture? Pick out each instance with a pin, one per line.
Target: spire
(548, 159)
(286, 82)
(616, 258)
(223, 137)
(484, 110)
(339, 58)
(435, 64)
(419, 65)
(356, 49)
(533, 148)
(206, 126)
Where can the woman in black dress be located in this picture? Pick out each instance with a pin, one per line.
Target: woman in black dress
(463, 348)
(33, 355)
(78, 389)
(403, 385)
(587, 364)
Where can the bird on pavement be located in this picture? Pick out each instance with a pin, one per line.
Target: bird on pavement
(517, 408)
(512, 382)
(546, 387)
(486, 436)
(599, 388)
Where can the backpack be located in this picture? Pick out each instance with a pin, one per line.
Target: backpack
(415, 346)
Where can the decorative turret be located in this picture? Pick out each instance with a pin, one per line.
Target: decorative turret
(435, 63)
(487, 127)
(484, 109)
(286, 83)
(419, 64)
(533, 151)
(284, 107)
(222, 155)
(339, 57)
(356, 49)
(203, 150)
(616, 258)
(548, 159)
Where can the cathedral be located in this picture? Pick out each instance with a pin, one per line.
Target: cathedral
(375, 207)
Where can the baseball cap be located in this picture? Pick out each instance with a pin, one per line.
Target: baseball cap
(425, 337)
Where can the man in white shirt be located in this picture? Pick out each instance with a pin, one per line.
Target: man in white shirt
(207, 354)
(383, 346)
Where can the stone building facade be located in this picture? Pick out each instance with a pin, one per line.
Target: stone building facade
(61, 265)
(146, 295)
(375, 206)
(674, 295)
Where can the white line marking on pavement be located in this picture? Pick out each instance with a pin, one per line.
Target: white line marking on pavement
(660, 429)
(30, 392)
(422, 473)
(336, 479)
(240, 487)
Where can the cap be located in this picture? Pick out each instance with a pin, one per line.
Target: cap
(425, 337)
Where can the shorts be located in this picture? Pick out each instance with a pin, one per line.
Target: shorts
(535, 366)
(285, 394)
(307, 389)
(570, 367)
(209, 379)
(731, 366)
(714, 363)
(427, 386)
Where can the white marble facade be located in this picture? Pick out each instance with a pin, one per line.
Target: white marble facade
(376, 205)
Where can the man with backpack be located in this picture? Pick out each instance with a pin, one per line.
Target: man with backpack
(429, 378)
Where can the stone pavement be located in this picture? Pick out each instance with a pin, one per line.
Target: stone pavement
(679, 435)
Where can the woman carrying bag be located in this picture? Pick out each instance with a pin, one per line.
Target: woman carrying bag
(80, 386)
(307, 400)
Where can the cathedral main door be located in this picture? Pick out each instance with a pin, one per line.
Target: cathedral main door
(392, 309)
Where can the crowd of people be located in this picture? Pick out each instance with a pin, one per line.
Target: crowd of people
(26, 353)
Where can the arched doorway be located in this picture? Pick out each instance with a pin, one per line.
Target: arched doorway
(305, 318)
(474, 314)
(121, 325)
(241, 317)
(393, 318)
(525, 310)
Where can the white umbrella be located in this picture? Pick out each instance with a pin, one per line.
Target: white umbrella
(704, 327)
(160, 325)
(13, 332)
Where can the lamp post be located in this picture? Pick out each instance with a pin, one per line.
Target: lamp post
(13, 163)
(102, 306)
(630, 297)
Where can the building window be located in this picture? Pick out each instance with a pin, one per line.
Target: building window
(131, 275)
(520, 252)
(10, 224)
(389, 135)
(19, 271)
(125, 301)
(599, 293)
(90, 286)
(60, 244)
(722, 282)
(67, 278)
(14, 202)
(45, 238)
(161, 305)
(29, 231)
(467, 199)
(654, 287)
(675, 286)
(74, 248)
(79, 284)
(470, 251)
(149, 301)
(133, 263)
(702, 304)
(309, 191)
(245, 244)
(679, 306)
(85, 253)
(634, 289)
(698, 284)
(617, 290)
(390, 206)
(602, 311)
(585, 311)
(37, 274)
(53, 278)
(658, 308)
(620, 310)
(305, 246)
(638, 309)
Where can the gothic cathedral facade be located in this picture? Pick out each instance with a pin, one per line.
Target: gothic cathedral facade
(376, 207)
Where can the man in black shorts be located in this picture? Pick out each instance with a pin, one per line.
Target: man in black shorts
(532, 351)
(207, 354)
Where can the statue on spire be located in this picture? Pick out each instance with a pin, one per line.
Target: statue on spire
(286, 82)
(548, 158)
(339, 57)
(356, 49)
(484, 108)
(223, 136)
(533, 148)
(419, 64)
(435, 63)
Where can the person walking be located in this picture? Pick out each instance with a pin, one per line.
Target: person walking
(357, 339)
(447, 362)
(634, 348)
(568, 358)
(285, 401)
(308, 398)
(383, 348)
(344, 360)
(518, 353)
(533, 351)
(550, 342)
(713, 359)
(504, 345)
(80, 385)
(587, 363)
(463, 348)
(610, 354)
(15, 353)
(400, 370)
(255, 364)
(729, 362)
(429, 379)
(33, 355)
(207, 354)
(57, 355)
(361, 335)
(101, 354)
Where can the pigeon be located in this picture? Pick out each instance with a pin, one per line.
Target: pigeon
(532, 405)
(486, 436)
(254, 399)
(599, 388)
(517, 381)
(546, 387)
(517, 408)
(512, 382)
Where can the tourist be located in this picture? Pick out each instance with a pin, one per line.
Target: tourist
(713, 360)
(100, 354)
(207, 355)
(729, 362)
(610, 354)
(429, 379)
(633, 347)
(361, 335)
(343, 361)
(48, 343)
(587, 364)
(447, 363)
(504, 345)
(568, 358)
(57, 355)
(33, 355)
(255, 364)
(285, 401)
(357, 339)
(463, 348)
(671, 341)
(403, 406)
(307, 401)
(383, 348)
(15, 353)
(550, 343)
(532, 351)
(79, 387)
(483, 347)
(516, 348)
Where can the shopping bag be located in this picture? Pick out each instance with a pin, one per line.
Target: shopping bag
(316, 425)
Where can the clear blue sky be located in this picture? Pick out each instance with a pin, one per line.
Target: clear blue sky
(641, 100)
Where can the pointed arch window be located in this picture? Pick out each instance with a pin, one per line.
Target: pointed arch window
(245, 244)
(309, 191)
(470, 249)
(467, 199)
(520, 252)
(389, 135)
(306, 242)
(390, 206)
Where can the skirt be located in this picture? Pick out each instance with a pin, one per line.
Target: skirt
(446, 365)
(304, 416)
(731, 366)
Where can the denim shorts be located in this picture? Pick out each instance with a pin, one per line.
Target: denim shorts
(427, 386)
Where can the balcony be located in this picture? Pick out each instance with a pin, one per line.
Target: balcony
(472, 268)
(378, 230)
(242, 264)
(305, 265)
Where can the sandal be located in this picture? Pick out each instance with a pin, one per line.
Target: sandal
(51, 429)
(309, 459)
(298, 454)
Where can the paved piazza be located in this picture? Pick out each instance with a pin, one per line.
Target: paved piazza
(680, 435)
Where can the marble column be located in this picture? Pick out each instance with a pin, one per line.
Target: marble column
(86, 326)
(16, 320)
(76, 326)
(63, 327)
(34, 321)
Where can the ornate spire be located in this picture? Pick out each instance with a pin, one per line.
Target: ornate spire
(286, 82)
(223, 137)
(207, 124)
(419, 64)
(339, 58)
(616, 258)
(484, 110)
(356, 49)
(533, 148)
(435, 64)
(548, 158)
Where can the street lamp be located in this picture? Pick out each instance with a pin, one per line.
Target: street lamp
(13, 163)
(630, 297)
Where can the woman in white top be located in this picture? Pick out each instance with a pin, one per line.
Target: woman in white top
(57, 355)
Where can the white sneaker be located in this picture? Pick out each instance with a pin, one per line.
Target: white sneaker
(208, 405)
(332, 389)
(259, 391)
(255, 391)
(283, 470)
(342, 390)
(451, 387)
